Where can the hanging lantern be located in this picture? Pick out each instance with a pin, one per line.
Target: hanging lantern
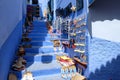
(73, 8)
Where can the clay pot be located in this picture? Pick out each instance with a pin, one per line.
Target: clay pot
(26, 39)
(19, 65)
(27, 46)
(56, 43)
(21, 51)
(24, 35)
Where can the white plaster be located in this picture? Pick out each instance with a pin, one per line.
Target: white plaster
(108, 30)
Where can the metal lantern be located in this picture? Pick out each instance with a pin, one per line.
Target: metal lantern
(73, 8)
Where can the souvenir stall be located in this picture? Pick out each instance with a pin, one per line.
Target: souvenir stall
(74, 40)
(75, 62)
(78, 35)
(62, 28)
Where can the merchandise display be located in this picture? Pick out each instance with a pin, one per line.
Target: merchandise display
(78, 77)
(56, 43)
(27, 76)
(21, 51)
(19, 64)
(78, 34)
(68, 69)
(53, 42)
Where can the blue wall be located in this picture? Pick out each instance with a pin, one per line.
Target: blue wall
(11, 19)
(104, 60)
(104, 48)
(63, 4)
(43, 6)
(7, 51)
(77, 14)
(10, 15)
(104, 43)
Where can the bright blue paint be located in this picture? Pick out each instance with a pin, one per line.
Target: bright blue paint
(46, 72)
(12, 14)
(43, 5)
(78, 14)
(63, 4)
(54, 10)
(7, 51)
(47, 58)
(104, 60)
(38, 53)
(40, 8)
(104, 55)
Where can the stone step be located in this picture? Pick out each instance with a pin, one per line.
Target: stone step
(42, 34)
(44, 39)
(50, 77)
(41, 68)
(39, 43)
(41, 50)
(30, 57)
(37, 31)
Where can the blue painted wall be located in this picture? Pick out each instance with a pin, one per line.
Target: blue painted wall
(63, 4)
(8, 49)
(43, 6)
(11, 13)
(104, 40)
(11, 19)
(77, 14)
(104, 48)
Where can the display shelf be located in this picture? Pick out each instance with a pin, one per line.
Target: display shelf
(78, 32)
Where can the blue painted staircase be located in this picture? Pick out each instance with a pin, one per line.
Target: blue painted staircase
(41, 60)
(41, 57)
